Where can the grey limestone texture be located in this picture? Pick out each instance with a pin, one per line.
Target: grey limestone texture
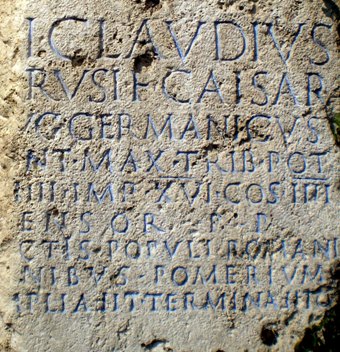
(169, 174)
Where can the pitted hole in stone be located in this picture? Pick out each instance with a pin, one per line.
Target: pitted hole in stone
(151, 3)
(152, 345)
(78, 59)
(269, 335)
(42, 53)
(144, 60)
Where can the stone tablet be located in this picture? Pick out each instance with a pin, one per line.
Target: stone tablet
(169, 174)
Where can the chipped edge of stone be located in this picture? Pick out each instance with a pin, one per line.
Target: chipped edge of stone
(11, 113)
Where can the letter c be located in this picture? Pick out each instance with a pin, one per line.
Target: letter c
(234, 201)
(165, 89)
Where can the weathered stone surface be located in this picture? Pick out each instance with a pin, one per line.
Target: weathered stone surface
(169, 174)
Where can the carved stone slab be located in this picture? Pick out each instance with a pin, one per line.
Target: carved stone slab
(170, 174)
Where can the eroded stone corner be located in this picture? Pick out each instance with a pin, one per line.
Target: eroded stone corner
(11, 115)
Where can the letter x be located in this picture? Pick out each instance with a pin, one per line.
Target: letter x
(153, 160)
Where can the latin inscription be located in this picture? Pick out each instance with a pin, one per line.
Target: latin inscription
(176, 206)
